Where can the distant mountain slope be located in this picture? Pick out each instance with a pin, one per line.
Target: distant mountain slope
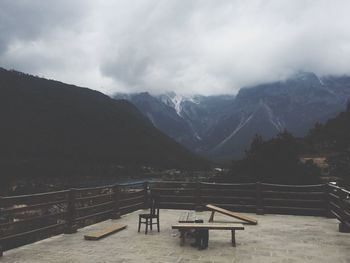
(162, 116)
(222, 127)
(189, 120)
(295, 104)
(44, 121)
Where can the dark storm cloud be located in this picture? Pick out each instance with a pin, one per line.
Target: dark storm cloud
(28, 20)
(192, 46)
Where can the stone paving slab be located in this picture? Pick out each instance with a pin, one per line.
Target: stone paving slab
(276, 238)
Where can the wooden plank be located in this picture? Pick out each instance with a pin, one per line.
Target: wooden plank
(91, 197)
(30, 232)
(187, 217)
(47, 194)
(229, 198)
(31, 219)
(232, 214)
(105, 232)
(212, 226)
(94, 215)
(297, 187)
(228, 192)
(294, 202)
(15, 209)
(240, 186)
(284, 194)
(84, 208)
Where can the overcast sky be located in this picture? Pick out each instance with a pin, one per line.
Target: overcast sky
(203, 47)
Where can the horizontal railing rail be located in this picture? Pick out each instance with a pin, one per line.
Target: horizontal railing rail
(295, 199)
(27, 218)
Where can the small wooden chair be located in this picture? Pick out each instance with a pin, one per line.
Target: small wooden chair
(148, 218)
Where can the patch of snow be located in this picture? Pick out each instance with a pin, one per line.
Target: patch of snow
(193, 130)
(320, 80)
(197, 136)
(274, 121)
(242, 123)
(325, 87)
(193, 100)
(279, 124)
(150, 117)
(177, 100)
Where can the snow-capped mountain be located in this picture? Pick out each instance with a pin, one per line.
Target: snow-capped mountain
(221, 127)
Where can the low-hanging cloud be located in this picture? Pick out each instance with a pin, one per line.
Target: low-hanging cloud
(193, 46)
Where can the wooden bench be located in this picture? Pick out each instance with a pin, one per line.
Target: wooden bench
(105, 232)
(214, 209)
(183, 227)
(186, 217)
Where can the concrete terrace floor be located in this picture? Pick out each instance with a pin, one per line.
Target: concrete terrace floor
(277, 238)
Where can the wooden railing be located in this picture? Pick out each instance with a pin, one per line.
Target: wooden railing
(28, 218)
(249, 197)
(339, 206)
(295, 200)
(25, 219)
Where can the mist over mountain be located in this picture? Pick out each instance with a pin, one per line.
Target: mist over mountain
(50, 128)
(222, 127)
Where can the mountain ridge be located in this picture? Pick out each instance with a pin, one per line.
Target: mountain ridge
(222, 127)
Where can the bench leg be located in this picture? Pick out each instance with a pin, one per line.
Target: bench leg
(211, 219)
(182, 237)
(233, 238)
(344, 228)
(139, 224)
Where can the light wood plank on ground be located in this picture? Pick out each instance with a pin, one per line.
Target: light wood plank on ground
(105, 232)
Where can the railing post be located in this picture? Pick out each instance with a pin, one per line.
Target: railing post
(328, 201)
(259, 199)
(1, 214)
(343, 228)
(147, 195)
(71, 226)
(116, 200)
(198, 206)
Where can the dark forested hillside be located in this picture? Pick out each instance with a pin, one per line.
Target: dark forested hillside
(332, 136)
(332, 140)
(282, 158)
(48, 127)
(275, 161)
